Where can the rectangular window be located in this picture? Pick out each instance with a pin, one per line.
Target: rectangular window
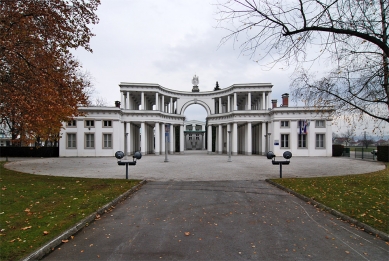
(320, 124)
(284, 124)
(302, 140)
(320, 140)
(190, 136)
(284, 140)
(89, 123)
(197, 137)
(71, 123)
(107, 123)
(71, 141)
(90, 141)
(107, 141)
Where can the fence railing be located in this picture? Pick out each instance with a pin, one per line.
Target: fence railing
(366, 153)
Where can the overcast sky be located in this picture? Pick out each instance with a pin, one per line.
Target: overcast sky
(167, 42)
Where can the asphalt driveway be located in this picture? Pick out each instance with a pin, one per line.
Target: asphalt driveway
(218, 220)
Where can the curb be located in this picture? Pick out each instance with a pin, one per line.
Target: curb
(366, 228)
(47, 248)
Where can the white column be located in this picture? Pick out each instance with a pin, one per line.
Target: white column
(142, 102)
(249, 101)
(122, 104)
(127, 101)
(249, 139)
(171, 105)
(235, 138)
(235, 102)
(163, 138)
(228, 103)
(163, 105)
(220, 140)
(220, 105)
(268, 101)
(182, 139)
(328, 140)
(128, 133)
(209, 142)
(157, 139)
(263, 102)
(171, 144)
(264, 138)
(143, 138)
(203, 141)
(156, 102)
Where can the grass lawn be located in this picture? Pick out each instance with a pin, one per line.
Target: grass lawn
(35, 209)
(364, 197)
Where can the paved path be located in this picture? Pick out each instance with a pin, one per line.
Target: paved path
(201, 207)
(195, 166)
(218, 220)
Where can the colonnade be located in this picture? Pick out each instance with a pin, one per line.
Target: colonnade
(141, 101)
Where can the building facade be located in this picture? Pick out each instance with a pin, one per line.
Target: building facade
(149, 115)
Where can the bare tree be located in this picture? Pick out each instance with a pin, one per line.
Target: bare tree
(348, 135)
(349, 36)
(100, 101)
(366, 140)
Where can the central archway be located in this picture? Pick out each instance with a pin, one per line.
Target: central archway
(195, 128)
(196, 101)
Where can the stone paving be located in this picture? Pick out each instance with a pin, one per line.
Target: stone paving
(195, 166)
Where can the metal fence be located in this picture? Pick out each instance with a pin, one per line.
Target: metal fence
(366, 153)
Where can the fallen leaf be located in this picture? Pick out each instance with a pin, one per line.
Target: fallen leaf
(45, 233)
(25, 228)
(187, 233)
(65, 240)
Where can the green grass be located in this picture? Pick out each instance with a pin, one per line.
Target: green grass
(35, 209)
(364, 197)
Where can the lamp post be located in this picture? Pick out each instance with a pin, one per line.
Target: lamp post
(229, 146)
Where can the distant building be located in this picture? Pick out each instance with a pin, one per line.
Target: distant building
(146, 112)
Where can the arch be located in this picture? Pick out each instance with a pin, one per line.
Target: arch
(196, 101)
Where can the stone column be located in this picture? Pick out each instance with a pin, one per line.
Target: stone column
(171, 144)
(157, 139)
(163, 138)
(263, 101)
(142, 102)
(264, 138)
(249, 101)
(220, 139)
(235, 102)
(220, 106)
(182, 139)
(127, 106)
(209, 141)
(156, 101)
(129, 138)
(163, 105)
(249, 139)
(203, 141)
(171, 106)
(122, 100)
(143, 138)
(228, 103)
(235, 138)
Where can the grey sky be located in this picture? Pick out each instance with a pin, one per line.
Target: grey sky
(167, 42)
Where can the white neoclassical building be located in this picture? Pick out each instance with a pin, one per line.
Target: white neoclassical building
(150, 117)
